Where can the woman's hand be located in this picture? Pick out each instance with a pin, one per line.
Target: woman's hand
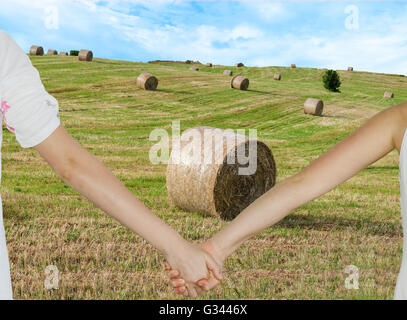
(210, 281)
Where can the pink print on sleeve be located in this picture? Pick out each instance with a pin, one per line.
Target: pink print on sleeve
(4, 108)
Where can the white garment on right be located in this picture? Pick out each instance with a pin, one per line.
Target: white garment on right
(401, 286)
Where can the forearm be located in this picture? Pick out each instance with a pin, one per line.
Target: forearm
(91, 178)
(266, 211)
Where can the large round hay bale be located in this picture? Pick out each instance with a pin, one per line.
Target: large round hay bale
(62, 53)
(239, 82)
(277, 76)
(52, 52)
(388, 94)
(188, 61)
(36, 51)
(313, 106)
(350, 68)
(147, 81)
(239, 65)
(216, 186)
(85, 55)
(228, 73)
(193, 68)
(209, 65)
(293, 66)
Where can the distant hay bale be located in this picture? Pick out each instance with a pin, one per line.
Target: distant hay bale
(188, 61)
(147, 81)
(52, 52)
(239, 82)
(277, 76)
(293, 66)
(388, 94)
(313, 106)
(62, 53)
(193, 68)
(206, 182)
(350, 68)
(209, 65)
(239, 65)
(228, 73)
(36, 51)
(85, 55)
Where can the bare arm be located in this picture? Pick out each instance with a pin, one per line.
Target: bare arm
(87, 175)
(363, 147)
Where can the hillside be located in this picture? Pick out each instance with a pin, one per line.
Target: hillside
(304, 256)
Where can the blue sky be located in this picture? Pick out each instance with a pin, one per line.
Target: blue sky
(258, 33)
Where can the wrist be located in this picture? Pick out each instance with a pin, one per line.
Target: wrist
(216, 251)
(175, 246)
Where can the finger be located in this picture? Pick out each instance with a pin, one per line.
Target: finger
(199, 291)
(208, 284)
(181, 290)
(191, 291)
(173, 274)
(214, 268)
(178, 283)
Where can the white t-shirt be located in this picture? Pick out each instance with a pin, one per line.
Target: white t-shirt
(29, 112)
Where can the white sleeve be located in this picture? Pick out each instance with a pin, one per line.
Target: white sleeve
(28, 110)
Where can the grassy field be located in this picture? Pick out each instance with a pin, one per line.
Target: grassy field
(303, 257)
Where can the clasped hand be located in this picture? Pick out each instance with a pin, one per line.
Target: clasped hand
(198, 268)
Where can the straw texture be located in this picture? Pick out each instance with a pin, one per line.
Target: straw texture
(277, 76)
(388, 94)
(239, 65)
(85, 55)
(147, 81)
(313, 106)
(239, 82)
(215, 187)
(36, 51)
(228, 73)
(52, 52)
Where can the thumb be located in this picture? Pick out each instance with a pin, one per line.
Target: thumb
(215, 268)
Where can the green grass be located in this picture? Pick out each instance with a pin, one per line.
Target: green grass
(302, 257)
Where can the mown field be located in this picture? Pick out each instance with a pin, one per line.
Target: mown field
(303, 257)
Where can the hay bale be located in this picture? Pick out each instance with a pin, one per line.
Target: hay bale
(216, 187)
(188, 61)
(36, 51)
(350, 68)
(147, 81)
(277, 76)
(85, 55)
(209, 65)
(52, 52)
(313, 106)
(293, 66)
(228, 73)
(239, 82)
(62, 53)
(193, 68)
(389, 95)
(239, 65)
